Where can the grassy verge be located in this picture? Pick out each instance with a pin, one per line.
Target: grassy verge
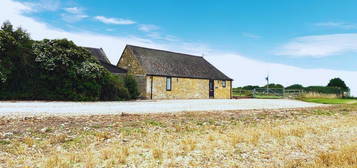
(330, 100)
(312, 137)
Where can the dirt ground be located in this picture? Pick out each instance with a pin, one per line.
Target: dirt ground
(303, 137)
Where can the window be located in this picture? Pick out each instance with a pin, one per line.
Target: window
(224, 83)
(168, 83)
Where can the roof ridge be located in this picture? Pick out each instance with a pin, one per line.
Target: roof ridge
(90, 47)
(190, 55)
(216, 68)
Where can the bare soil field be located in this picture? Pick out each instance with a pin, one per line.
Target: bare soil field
(303, 137)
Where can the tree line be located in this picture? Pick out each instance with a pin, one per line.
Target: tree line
(335, 86)
(55, 70)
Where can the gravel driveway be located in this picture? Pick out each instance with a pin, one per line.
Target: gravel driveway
(38, 108)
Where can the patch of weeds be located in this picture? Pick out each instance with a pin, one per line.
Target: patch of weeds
(129, 131)
(49, 130)
(157, 154)
(200, 123)
(4, 142)
(189, 129)
(28, 141)
(211, 122)
(76, 142)
(95, 126)
(103, 135)
(154, 123)
(57, 139)
(323, 112)
(40, 135)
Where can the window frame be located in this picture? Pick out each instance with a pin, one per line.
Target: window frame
(224, 83)
(170, 79)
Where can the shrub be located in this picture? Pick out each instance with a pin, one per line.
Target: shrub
(132, 86)
(114, 89)
(323, 89)
(250, 87)
(295, 86)
(274, 86)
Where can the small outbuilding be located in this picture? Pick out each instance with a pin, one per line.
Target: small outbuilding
(100, 55)
(171, 75)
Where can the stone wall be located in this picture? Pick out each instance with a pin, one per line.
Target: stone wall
(185, 88)
(182, 88)
(221, 92)
(130, 63)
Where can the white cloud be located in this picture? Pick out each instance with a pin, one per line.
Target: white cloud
(73, 14)
(320, 45)
(251, 35)
(246, 71)
(151, 31)
(44, 5)
(74, 10)
(159, 36)
(73, 18)
(340, 25)
(148, 27)
(114, 20)
(243, 70)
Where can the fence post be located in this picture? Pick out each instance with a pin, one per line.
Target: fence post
(283, 92)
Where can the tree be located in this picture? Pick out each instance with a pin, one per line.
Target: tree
(295, 86)
(250, 87)
(15, 58)
(274, 86)
(338, 83)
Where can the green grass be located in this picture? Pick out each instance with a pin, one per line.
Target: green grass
(267, 97)
(330, 100)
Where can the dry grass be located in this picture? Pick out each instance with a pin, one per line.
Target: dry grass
(314, 137)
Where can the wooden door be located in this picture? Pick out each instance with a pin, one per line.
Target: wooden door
(211, 88)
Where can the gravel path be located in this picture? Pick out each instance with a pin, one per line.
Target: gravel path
(38, 108)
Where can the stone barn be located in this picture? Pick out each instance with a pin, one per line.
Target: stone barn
(170, 75)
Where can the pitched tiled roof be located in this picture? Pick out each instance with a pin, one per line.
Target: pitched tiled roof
(112, 68)
(104, 61)
(98, 53)
(166, 63)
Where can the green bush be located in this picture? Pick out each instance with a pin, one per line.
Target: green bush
(323, 89)
(274, 86)
(295, 86)
(55, 70)
(114, 89)
(132, 86)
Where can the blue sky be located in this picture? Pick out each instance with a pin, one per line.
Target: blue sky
(309, 38)
(254, 28)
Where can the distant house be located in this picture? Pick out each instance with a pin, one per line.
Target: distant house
(104, 61)
(170, 75)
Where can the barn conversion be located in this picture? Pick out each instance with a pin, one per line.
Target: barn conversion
(170, 75)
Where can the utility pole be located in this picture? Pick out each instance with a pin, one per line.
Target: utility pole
(267, 79)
